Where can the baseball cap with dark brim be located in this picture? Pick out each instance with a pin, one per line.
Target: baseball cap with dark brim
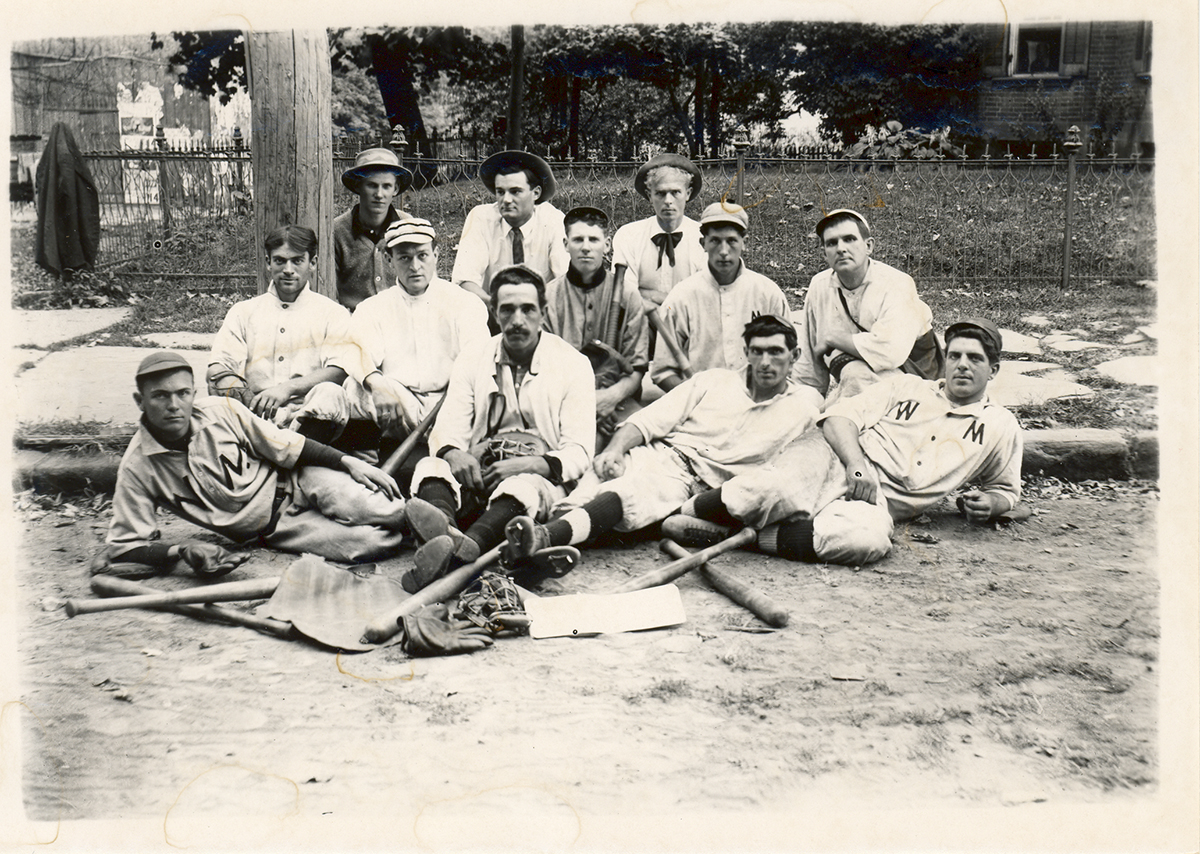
(585, 210)
(490, 168)
(376, 160)
(841, 212)
(983, 325)
(725, 213)
(417, 231)
(161, 361)
(666, 159)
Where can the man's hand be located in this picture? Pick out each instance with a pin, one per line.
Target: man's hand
(209, 561)
(465, 468)
(369, 476)
(861, 482)
(609, 465)
(267, 402)
(608, 399)
(499, 470)
(394, 403)
(979, 506)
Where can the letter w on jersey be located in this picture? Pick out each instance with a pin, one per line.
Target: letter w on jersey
(905, 409)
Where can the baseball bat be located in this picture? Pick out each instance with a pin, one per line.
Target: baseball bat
(450, 584)
(668, 336)
(392, 464)
(107, 585)
(671, 571)
(759, 604)
(230, 591)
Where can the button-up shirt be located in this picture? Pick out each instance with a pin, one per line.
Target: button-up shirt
(886, 305)
(634, 249)
(715, 422)
(415, 339)
(924, 447)
(581, 315)
(486, 246)
(267, 341)
(556, 400)
(708, 320)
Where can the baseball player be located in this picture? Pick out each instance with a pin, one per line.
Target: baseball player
(862, 317)
(884, 455)
(520, 227)
(604, 321)
(660, 251)
(518, 425)
(706, 312)
(406, 339)
(275, 352)
(715, 426)
(358, 259)
(216, 464)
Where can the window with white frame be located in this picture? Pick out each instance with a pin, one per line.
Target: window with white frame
(1048, 50)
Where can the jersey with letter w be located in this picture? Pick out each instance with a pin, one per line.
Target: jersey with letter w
(225, 480)
(924, 447)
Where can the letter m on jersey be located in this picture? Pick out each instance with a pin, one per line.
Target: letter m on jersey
(905, 409)
(974, 432)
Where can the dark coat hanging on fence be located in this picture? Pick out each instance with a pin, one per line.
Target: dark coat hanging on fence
(68, 226)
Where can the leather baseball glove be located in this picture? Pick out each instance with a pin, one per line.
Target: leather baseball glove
(208, 561)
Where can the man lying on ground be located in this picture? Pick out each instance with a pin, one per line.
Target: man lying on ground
(216, 464)
(863, 319)
(517, 428)
(713, 427)
(882, 456)
(275, 352)
(602, 320)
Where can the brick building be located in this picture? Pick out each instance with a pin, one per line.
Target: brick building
(1042, 77)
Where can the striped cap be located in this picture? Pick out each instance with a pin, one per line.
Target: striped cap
(414, 230)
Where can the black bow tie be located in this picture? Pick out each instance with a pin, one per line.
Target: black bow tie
(667, 246)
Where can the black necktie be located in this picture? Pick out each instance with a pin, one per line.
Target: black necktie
(667, 246)
(518, 246)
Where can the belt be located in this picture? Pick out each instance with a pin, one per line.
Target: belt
(687, 464)
(281, 492)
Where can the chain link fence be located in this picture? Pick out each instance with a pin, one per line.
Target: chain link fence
(949, 223)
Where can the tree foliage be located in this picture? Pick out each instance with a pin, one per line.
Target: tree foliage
(855, 75)
(211, 62)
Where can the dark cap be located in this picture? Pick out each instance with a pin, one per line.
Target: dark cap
(586, 212)
(160, 361)
(983, 325)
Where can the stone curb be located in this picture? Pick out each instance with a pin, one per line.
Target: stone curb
(1079, 454)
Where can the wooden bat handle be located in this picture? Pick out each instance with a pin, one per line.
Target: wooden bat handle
(230, 591)
(392, 464)
(671, 571)
(108, 585)
(668, 336)
(759, 604)
(450, 584)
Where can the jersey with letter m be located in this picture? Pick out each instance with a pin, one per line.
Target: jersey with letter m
(225, 480)
(924, 447)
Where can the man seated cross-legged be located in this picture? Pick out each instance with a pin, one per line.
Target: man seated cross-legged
(712, 427)
(517, 428)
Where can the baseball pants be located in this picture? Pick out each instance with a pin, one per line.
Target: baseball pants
(534, 492)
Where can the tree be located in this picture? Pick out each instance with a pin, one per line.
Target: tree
(855, 75)
(212, 62)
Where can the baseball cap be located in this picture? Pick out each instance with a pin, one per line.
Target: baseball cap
(841, 212)
(161, 360)
(983, 325)
(725, 213)
(419, 231)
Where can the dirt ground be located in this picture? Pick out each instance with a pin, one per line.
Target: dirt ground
(979, 666)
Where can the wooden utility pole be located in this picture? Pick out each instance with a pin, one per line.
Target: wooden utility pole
(516, 88)
(291, 142)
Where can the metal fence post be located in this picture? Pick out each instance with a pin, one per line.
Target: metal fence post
(1072, 145)
(160, 139)
(741, 141)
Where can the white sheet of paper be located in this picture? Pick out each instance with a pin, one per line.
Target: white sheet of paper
(593, 614)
